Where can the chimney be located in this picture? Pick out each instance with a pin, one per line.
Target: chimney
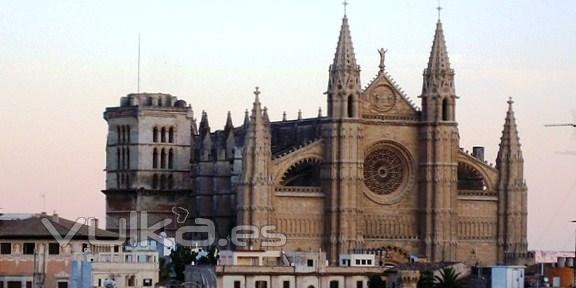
(478, 152)
(55, 217)
(94, 222)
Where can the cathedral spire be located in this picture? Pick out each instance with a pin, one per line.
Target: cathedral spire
(344, 79)
(512, 210)
(510, 146)
(204, 126)
(229, 126)
(344, 57)
(439, 60)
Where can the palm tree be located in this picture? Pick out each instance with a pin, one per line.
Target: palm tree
(448, 278)
(426, 280)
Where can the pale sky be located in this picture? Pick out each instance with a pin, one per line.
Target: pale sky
(63, 62)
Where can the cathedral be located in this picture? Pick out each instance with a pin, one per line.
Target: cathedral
(376, 174)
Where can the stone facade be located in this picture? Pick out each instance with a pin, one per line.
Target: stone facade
(375, 174)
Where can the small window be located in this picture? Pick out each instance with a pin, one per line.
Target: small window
(359, 284)
(445, 110)
(5, 248)
(334, 284)
(261, 284)
(63, 284)
(369, 262)
(147, 282)
(310, 263)
(28, 284)
(53, 248)
(84, 247)
(357, 262)
(286, 284)
(131, 281)
(14, 284)
(237, 284)
(363, 261)
(28, 248)
(171, 135)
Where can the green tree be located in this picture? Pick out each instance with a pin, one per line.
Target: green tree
(449, 278)
(375, 281)
(426, 280)
(181, 257)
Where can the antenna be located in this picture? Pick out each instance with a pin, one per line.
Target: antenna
(138, 81)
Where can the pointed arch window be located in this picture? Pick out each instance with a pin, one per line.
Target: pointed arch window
(163, 135)
(127, 134)
(350, 106)
(171, 135)
(445, 110)
(118, 159)
(154, 181)
(155, 158)
(170, 159)
(170, 182)
(155, 134)
(163, 159)
(162, 182)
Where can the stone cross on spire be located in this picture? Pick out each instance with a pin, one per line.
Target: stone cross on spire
(382, 53)
(345, 4)
(439, 8)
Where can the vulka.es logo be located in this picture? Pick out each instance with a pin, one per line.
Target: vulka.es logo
(138, 232)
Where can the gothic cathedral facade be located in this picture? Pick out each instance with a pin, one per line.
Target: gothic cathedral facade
(375, 174)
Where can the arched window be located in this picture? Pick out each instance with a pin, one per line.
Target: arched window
(162, 182)
(127, 157)
(163, 135)
(127, 134)
(445, 110)
(170, 182)
(171, 135)
(155, 158)
(163, 159)
(118, 162)
(350, 106)
(155, 134)
(149, 103)
(159, 101)
(170, 159)
(154, 181)
(119, 135)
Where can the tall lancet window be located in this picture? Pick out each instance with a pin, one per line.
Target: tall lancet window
(170, 159)
(163, 135)
(163, 159)
(155, 134)
(350, 106)
(445, 110)
(155, 158)
(171, 135)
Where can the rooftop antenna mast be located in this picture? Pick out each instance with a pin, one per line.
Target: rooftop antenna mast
(138, 81)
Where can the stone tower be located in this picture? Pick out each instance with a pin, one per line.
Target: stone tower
(342, 134)
(512, 190)
(255, 194)
(147, 158)
(439, 140)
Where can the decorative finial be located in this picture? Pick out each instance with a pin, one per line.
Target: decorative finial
(257, 91)
(510, 101)
(382, 58)
(299, 114)
(345, 3)
(284, 116)
(319, 112)
(439, 8)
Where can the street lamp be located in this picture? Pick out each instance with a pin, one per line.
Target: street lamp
(574, 261)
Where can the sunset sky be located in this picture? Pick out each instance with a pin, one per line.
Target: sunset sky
(63, 62)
